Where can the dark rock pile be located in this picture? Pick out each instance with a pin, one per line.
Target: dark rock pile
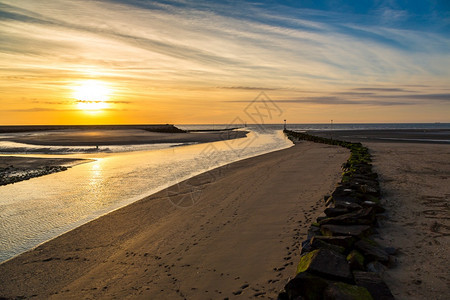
(339, 259)
(12, 174)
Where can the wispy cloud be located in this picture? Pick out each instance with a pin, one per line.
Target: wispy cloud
(331, 100)
(248, 88)
(371, 89)
(154, 49)
(367, 99)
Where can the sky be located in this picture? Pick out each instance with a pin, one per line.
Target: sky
(204, 62)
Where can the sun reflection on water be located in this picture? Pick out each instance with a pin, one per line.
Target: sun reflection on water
(96, 173)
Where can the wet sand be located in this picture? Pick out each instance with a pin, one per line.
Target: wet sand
(414, 180)
(233, 232)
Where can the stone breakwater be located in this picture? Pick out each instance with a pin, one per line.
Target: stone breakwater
(12, 174)
(339, 258)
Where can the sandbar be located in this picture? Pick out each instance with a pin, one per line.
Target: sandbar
(101, 137)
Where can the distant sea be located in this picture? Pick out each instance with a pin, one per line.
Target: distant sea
(322, 127)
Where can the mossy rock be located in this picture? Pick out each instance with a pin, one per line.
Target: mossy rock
(343, 291)
(306, 286)
(355, 260)
(371, 242)
(345, 242)
(372, 251)
(319, 243)
(359, 231)
(374, 284)
(325, 263)
(305, 261)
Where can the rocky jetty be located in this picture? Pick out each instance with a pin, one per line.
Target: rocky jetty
(339, 258)
(13, 174)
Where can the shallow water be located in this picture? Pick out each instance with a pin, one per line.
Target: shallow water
(34, 211)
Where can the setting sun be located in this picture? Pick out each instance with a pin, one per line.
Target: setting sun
(92, 95)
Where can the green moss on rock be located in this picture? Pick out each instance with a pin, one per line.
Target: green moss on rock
(340, 290)
(356, 260)
(305, 261)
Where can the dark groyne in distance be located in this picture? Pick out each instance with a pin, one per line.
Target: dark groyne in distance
(339, 259)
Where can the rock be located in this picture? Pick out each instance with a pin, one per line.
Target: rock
(391, 250)
(306, 247)
(376, 206)
(333, 212)
(341, 241)
(368, 189)
(305, 286)
(329, 201)
(343, 191)
(313, 231)
(326, 263)
(320, 218)
(351, 199)
(352, 230)
(371, 198)
(393, 262)
(371, 250)
(355, 260)
(351, 206)
(374, 284)
(363, 216)
(343, 291)
(376, 267)
(319, 243)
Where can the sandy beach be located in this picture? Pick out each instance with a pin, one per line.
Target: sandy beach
(238, 236)
(414, 180)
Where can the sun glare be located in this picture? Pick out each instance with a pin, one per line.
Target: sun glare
(92, 95)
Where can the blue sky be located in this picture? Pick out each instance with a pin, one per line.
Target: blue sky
(353, 61)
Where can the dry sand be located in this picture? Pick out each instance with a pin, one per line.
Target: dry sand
(416, 190)
(232, 232)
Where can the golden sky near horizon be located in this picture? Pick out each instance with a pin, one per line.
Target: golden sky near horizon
(194, 62)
